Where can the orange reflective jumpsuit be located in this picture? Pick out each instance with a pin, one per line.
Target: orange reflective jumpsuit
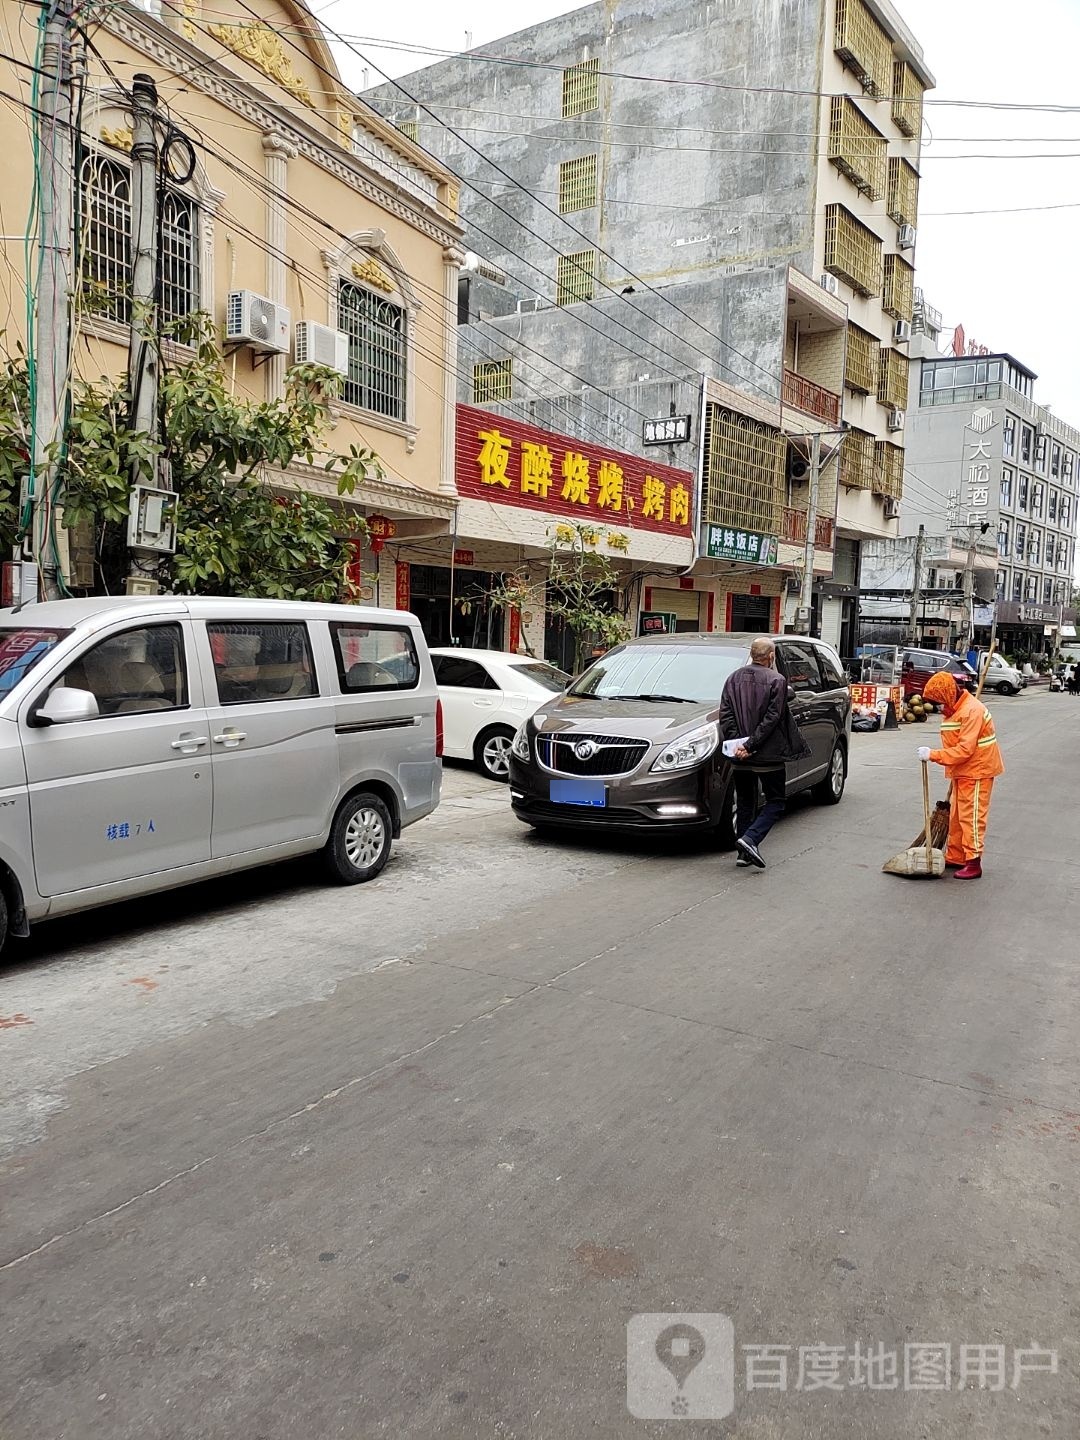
(969, 751)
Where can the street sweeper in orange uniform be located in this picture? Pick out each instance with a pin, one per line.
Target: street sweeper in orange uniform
(969, 752)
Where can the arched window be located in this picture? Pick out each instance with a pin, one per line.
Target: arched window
(179, 256)
(376, 329)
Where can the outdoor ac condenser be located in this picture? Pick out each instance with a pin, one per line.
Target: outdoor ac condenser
(257, 322)
(322, 345)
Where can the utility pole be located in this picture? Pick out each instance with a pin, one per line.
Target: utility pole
(143, 361)
(806, 595)
(969, 593)
(53, 340)
(916, 589)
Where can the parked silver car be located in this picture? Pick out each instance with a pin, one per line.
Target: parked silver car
(148, 743)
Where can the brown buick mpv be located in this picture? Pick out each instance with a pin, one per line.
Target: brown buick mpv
(634, 743)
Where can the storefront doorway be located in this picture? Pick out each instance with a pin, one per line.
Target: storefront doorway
(751, 613)
(471, 620)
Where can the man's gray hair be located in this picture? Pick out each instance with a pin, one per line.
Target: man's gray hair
(762, 651)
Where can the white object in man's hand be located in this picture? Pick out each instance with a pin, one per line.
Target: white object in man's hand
(924, 753)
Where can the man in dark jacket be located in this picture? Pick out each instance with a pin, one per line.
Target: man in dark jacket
(754, 710)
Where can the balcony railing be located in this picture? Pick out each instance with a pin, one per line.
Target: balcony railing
(793, 529)
(812, 399)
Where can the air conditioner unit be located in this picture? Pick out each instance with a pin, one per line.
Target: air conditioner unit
(903, 331)
(322, 345)
(831, 284)
(529, 307)
(255, 321)
(892, 508)
(896, 419)
(907, 237)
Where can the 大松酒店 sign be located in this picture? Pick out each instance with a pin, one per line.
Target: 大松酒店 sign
(521, 465)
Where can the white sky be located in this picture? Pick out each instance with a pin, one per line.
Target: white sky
(1011, 280)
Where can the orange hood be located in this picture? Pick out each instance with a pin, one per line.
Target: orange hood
(942, 689)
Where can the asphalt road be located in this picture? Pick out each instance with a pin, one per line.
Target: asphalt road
(279, 1162)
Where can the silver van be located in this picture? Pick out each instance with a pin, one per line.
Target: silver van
(149, 743)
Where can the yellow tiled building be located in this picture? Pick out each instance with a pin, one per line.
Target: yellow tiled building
(301, 196)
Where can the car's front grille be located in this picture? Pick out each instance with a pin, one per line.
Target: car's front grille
(605, 754)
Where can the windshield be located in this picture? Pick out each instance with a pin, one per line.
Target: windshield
(652, 670)
(544, 675)
(20, 651)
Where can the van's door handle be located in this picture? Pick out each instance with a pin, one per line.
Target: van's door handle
(486, 703)
(230, 738)
(188, 744)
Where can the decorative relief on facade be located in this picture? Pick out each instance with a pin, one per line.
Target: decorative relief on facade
(119, 139)
(370, 272)
(259, 45)
(190, 9)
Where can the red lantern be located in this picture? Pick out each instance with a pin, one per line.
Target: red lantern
(379, 529)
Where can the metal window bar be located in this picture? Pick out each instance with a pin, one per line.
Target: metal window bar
(863, 46)
(577, 184)
(376, 330)
(903, 195)
(892, 389)
(857, 148)
(745, 470)
(852, 251)
(492, 380)
(179, 257)
(576, 279)
(907, 103)
(861, 363)
(888, 469)
(106, 238)
(581, 88)
(410, 129)
(857, 460)
(898, 295)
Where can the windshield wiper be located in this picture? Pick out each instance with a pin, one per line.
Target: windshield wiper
(673, 699)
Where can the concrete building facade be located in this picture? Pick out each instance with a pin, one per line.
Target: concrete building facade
(990, 467)
(746, 222)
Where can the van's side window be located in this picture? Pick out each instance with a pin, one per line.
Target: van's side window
(133, 672)
(375, 657)
(801, 668)
(259, 661)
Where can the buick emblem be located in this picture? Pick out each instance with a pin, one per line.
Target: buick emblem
(586, 749)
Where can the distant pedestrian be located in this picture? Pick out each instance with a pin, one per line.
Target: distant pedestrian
(1074, 681)
(972, 760)
(754, 711)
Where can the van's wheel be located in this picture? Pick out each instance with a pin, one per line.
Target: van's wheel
(491, 753)
(360, 838)
(830, 791)
(3, 922)
(1006, 689)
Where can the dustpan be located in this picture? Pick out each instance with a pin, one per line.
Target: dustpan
(921, 859)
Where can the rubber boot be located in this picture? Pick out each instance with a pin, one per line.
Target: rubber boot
(971, 871)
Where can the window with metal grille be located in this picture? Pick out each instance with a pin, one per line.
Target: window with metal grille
(888, 470)
(410, 128)
(903, 200)
(857, 148)
(863, 46)
(581, 88)
(106, 244)
(861, 363)
(179, 273)
(106, 237)
(852, 251)
(577, 184)
(898, 295)
(576, 277)
(745, 467)
(907, 100)
(857, 460)
(892, 387)
(376, 330)
(492, 380)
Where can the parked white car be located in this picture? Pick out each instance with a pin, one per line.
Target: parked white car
(1003, 678)
(486, 694)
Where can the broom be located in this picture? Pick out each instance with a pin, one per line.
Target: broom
(919, 859)
(939, 821)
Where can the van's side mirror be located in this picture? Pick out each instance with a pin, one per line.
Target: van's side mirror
(64, 706)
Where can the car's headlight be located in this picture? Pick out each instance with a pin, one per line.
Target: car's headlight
(689, 749)
(520, 745)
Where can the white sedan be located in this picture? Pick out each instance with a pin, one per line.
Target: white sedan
(486, 694)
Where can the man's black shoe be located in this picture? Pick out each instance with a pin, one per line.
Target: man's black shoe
(750, 852)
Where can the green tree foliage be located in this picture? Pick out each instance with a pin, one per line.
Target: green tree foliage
(242, 527)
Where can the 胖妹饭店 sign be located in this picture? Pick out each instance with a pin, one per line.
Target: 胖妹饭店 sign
(513, 464)
(724, 543)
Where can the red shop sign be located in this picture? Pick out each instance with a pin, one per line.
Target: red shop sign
(513, 464)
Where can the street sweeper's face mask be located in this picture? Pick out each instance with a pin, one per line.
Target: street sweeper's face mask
(942, 689)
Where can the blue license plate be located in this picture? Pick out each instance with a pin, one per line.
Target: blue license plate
(578, 792)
